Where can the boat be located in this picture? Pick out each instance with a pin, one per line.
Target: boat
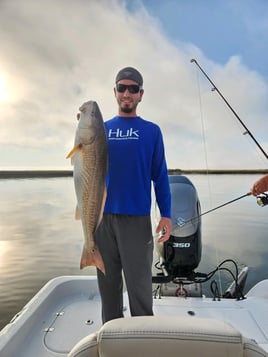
(64, 319)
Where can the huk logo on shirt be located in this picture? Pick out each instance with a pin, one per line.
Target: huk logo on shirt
(119, 134)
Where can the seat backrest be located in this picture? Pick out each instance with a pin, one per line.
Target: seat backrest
(252, 349)
(154, 336)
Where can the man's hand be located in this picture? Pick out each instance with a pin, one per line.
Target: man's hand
(164, 227)
(82, 109)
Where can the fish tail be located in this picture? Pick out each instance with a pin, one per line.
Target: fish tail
(92, 257)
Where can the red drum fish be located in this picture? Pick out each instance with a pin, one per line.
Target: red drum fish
(90, 159)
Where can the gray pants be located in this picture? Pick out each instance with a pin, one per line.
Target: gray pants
(125, 243)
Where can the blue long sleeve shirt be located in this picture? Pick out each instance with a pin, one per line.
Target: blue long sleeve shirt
(136, 159)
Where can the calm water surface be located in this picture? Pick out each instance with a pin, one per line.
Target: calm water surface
(39, 238)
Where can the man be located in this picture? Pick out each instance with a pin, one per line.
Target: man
(124, 237)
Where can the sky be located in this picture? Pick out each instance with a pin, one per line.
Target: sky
(57, 54)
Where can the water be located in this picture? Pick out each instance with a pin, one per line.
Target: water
(39, 238)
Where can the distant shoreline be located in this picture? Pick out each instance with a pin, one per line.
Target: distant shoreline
(9, 174)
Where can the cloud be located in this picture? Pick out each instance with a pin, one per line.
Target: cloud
(56, 56)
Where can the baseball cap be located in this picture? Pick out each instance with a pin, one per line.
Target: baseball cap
(129, 73)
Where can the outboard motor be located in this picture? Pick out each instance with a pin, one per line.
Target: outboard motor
(182, 252)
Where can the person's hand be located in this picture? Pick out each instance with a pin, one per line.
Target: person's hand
(164, 227)
(260, 186)
(82, 109)
(84, 106)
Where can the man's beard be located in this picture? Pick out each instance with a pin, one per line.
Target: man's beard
(126, 110)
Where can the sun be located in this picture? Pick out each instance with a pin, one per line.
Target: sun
(3, 88)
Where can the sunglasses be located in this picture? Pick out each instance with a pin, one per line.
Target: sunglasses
(132, 88)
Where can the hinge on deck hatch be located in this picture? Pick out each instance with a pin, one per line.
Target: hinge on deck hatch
(51, 329)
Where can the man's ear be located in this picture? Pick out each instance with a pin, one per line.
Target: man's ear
(141, 94)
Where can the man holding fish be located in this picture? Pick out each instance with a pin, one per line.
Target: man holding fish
(124, 237)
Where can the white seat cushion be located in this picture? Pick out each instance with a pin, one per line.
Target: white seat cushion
(170, 336)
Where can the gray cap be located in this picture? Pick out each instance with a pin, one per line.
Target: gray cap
(129, 73)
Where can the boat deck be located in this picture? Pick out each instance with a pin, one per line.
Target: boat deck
(68, 308)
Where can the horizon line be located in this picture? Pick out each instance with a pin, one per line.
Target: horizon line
(49, 173)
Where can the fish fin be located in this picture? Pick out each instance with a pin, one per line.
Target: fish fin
(92, 258)
(77, 214)
(74, 151)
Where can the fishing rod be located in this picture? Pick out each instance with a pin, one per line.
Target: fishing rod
(262, 200)
(213, 209)
(227, 203)
(229, 106)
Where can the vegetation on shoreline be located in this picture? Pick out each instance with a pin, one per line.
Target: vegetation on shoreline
(7, 174)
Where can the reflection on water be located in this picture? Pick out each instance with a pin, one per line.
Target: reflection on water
(39, 238)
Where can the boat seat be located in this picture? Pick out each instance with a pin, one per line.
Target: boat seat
(157, 336)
